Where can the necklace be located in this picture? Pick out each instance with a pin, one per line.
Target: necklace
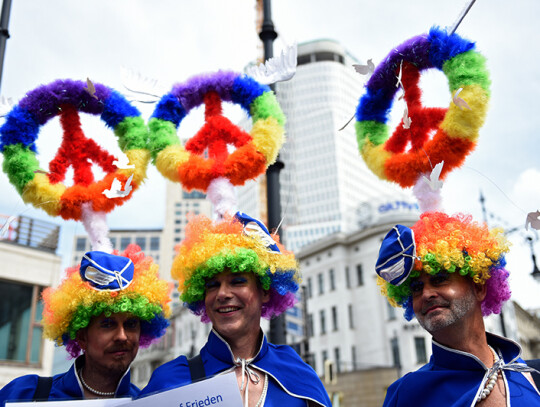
(263, 394)
(90, 389)
(492, 380)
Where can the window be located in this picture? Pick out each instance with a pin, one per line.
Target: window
(324, 356)
(141, 242)
(347, 277)
(81, 244)
(20, 323)
(337, 359)
(394, 345)
(391, 311)
(124, 241)
(351, 317)
(309, 288)
(323, 322)
(334, 319)
(309, 326)
(353, 357)
(154, 243)
(332, 280)
(420, 345)
(359, 275)
(113, 242)
(321, 283)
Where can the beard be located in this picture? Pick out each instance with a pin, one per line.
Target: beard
(452, 312)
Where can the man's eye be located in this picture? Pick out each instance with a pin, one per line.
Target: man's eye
(131, 323)
(106, 323)
(439, 278)
(211, 284)
(239, 280)
(416, 287)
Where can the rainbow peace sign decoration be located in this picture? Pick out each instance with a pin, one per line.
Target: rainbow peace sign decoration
(206, 157)
(45, 189)
(433, 134)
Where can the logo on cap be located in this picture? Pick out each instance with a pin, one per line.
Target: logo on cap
(396, 255)
(106, 271)
(255, 228)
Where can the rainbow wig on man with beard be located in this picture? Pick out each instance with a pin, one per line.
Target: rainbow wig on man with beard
(231, 244)
(452, 244)
(97, 288)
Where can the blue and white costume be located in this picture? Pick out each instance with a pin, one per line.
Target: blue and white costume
(291, 382)
(456, 378)
(65, 386)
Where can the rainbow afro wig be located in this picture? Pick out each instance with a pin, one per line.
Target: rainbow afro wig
(455, 244)
(72, 305)
(229, 245)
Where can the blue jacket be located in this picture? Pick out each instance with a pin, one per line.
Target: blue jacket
(292, 381)
(454, 378)
(65, 386)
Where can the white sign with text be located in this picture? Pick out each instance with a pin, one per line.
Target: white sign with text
(218, 391)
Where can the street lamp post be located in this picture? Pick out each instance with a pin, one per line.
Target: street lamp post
(4, 33)
(267, 36)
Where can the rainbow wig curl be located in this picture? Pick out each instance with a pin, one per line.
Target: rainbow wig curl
(214, 247)
(71, 306)
(456, 244)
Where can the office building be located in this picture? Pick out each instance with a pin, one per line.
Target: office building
(29, 265)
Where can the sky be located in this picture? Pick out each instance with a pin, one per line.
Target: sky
(172, 40)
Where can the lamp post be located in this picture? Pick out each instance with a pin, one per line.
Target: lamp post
(4, 33)
(267, 36)
(536, 272)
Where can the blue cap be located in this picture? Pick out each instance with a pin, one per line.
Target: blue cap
(254, 227)
(106, 271)
(396, 255)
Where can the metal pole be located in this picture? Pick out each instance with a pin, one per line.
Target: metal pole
(267, 36)
(4, 33)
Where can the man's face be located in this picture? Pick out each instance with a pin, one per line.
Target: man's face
(233, 303)
(443, 300)
(111, 343)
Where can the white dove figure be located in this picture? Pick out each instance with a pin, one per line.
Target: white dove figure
(277, 69)
(367, 69)
(116, 189)
(532, 219)
(90, 88)
(122, 162)
(433, 180)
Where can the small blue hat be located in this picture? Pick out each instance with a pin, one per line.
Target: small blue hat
(106, 271)
(254, 227)
(396, 255)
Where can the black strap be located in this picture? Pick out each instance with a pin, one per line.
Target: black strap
(43, 388)
(536, 376)
(196, 368)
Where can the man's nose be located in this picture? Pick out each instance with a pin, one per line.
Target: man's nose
(224, 292)
(121, 333)
(429, 291)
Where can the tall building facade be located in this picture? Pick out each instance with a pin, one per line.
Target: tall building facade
(29, 265)
(325, 185)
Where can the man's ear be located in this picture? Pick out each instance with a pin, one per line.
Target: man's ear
(82, 338)
(480, 291)
(265, 296)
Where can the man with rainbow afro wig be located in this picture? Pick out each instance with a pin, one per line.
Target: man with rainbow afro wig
(231, 273)
(101, 312)
(449, 272)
